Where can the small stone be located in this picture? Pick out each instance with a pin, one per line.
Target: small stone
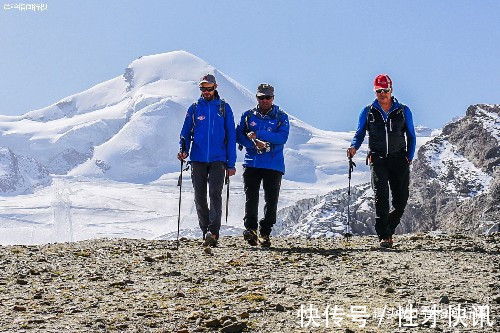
(496, 299)
(244, 315)
(183, 330)
(36, 321)
(348, 330)
(207, 250)
(149, 259)
(179, 294)
(227, 322)
(389, 290)
(195, 315)
(173, 273)
(226, 317)
(444, 300)
(21, 282)
(280, 308)
(212, 323)
(234, 327)
(19, 308)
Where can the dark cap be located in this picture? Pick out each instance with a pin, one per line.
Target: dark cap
(207, 78)
(265, 89)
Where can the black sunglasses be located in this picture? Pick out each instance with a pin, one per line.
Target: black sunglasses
(209, 89)
(386, 90)
(267, 97)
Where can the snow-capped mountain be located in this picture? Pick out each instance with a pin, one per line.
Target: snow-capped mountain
(20, 174)
(124, 129)
(127, 128)
(455, 186)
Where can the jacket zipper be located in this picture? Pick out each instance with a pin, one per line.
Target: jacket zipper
(386, 134)
(209, 125)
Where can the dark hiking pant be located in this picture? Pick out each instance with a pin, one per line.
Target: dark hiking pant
(212, 173)
(393, 173)
(271, 182)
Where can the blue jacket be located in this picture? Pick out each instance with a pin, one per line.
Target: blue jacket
(273, 128)
(214, 135)
(409, 129)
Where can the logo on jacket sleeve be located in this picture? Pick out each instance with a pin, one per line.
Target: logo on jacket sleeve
(201, 117)
(253, 123)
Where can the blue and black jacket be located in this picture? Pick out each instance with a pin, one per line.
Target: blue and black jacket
(387, 130)
(212, 134)
(272, 127)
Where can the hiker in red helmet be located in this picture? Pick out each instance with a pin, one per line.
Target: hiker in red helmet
(391, 143)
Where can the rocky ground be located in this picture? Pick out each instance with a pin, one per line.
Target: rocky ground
(150, 286)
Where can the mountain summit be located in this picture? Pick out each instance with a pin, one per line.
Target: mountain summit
(124, 129)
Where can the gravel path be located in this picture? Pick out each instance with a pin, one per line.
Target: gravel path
(298, 285)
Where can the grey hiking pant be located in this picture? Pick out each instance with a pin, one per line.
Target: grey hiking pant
(212, 173)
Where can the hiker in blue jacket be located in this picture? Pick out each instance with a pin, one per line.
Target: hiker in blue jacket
(387, 122)
(263, 131)
(209, 133)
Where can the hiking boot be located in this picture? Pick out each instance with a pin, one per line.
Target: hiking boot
(250, 235)
(265, 241)
(210, 240)
(386, 242)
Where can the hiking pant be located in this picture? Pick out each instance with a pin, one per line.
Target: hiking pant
(271, 182)
(212, 173)
(394, 173)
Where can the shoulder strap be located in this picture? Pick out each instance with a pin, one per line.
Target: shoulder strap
(248, 114)
(222, 108)
(193, 116)
(279, 114)
(402, 107)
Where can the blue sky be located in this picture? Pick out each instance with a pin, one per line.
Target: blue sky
(321, 56)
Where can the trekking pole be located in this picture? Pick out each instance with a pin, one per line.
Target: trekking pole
(226, 181)
(348, 233)
(179, 183)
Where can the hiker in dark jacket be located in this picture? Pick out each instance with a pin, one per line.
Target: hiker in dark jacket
(263, 131)
(391, 148)
(209, 133)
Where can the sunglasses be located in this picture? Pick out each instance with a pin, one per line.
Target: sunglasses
(209, 89)
(266, 97)
(386, 90)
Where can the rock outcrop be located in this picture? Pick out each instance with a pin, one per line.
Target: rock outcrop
(456, 176)
(20, 174)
